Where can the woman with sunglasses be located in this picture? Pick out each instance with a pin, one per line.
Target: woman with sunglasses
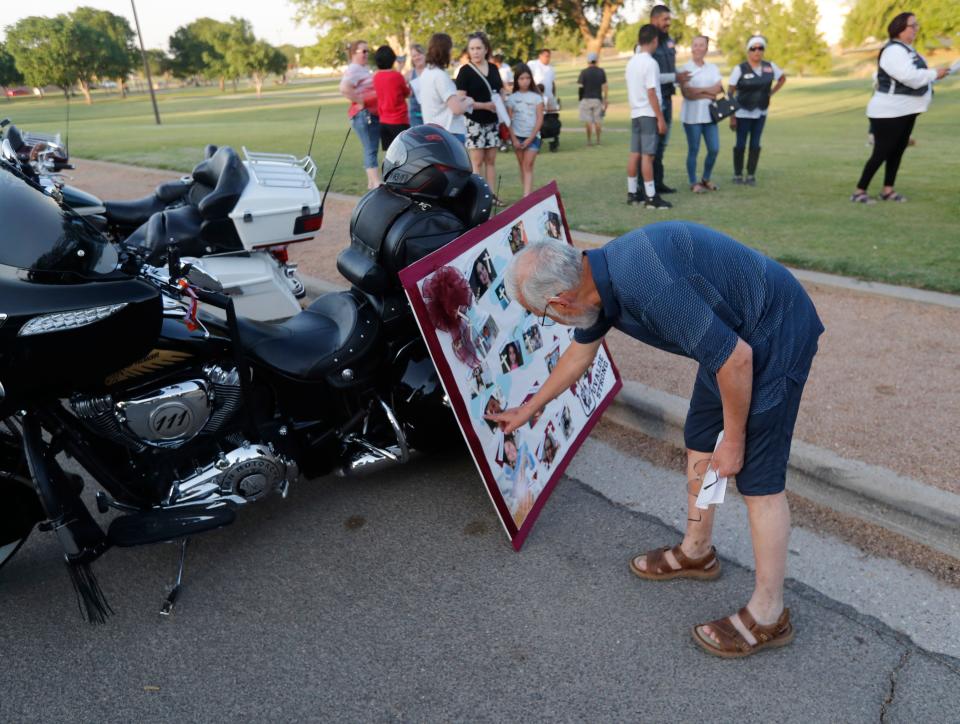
(904, 90)
(357, 86)
(753, 82)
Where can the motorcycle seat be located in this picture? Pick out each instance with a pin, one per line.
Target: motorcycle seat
(133, 213)
(179, 226)
(333, 334)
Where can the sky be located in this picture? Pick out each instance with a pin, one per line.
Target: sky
(273, 20)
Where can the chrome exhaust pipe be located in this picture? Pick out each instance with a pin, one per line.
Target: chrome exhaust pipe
(368, 461)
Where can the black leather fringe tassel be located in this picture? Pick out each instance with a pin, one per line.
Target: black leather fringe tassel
(90, 599)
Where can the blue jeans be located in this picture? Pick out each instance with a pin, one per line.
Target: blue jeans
(712, 137)
(367, 128)
(752, 127)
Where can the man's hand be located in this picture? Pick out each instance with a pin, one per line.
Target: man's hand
(661, 126)
(727, 459)
(942, 72)
(512, 418)
(683, 76)
(733, 123)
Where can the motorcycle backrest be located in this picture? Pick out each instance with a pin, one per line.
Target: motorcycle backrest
(171, 191)
(209, 150)
(228, 177)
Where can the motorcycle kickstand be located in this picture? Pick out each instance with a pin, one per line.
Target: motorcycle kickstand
(167, 608)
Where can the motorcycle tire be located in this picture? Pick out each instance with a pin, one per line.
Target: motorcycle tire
(21, 511)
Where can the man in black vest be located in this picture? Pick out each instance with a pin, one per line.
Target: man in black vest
(666, 57)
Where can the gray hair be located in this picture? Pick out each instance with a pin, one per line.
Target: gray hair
(550, 267)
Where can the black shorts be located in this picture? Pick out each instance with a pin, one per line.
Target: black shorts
(389, 131)
(769, 433)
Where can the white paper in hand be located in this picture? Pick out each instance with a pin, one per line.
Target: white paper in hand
(713, 489)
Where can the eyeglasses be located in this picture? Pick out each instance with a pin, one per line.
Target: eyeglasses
(915, 26)
(546, 321)
(756, 48)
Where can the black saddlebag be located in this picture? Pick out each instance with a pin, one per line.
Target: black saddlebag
(389, 232)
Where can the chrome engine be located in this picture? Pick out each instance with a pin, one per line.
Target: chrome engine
(166, 417)
(245, 474)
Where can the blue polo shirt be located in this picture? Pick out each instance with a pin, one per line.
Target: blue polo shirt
(690, 290)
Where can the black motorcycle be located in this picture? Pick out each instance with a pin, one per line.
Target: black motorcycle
(183, 419)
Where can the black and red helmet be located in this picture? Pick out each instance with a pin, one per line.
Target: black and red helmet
(427, 162)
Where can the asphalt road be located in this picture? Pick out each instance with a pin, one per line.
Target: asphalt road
(397, 597)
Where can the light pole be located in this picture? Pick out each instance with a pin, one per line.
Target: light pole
(146, 65)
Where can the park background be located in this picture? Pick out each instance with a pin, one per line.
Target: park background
(218, 83)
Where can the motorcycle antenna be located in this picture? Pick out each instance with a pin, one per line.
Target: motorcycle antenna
(314, 134)
(66, 140)
(323, 201)
(497, 195)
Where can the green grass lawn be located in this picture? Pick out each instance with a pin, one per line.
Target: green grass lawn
(813, 152)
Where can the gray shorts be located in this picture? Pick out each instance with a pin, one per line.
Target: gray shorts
(643, 135)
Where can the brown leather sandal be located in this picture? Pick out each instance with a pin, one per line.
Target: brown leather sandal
(658, 568)
(734, 646)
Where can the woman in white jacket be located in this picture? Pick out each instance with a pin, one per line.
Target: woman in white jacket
(904, 90)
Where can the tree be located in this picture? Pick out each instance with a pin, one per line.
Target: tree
(868, 20)
(510, 24)
(9, 74)
(593, 19)
(196, 50)
(791, 34)
(116, 57)
(41, 49)
(247, 56)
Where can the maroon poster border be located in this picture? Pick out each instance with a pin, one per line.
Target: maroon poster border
(429, 264)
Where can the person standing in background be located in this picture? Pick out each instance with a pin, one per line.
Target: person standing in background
(418, 63)
(480, 80)
(666, 57)
(545, 75)
(357, 87)
(904, 91)
(703, 85)
(525, 106)
(593, 97)
(392, 91)
(506, 74)
(754, 82)
(440, 100)
(647, 124)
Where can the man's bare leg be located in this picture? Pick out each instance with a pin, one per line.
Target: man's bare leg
(699, 535)
(770, 533)
(589, 128)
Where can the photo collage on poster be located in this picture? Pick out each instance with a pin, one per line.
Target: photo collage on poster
(516, 355)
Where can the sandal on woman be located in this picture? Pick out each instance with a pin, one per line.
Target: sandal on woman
(698, 188)
(893, 196)
(732, 643)
(709, 185)
(861, 198)
(658, 568)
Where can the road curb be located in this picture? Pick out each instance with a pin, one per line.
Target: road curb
(920, 512)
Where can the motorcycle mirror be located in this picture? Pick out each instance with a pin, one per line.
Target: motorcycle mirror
(199, 276)
(6, 150)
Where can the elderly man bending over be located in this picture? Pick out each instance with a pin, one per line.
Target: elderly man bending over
(693, 291)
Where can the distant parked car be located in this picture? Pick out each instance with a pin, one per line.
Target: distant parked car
(108, 84)
(21, 91)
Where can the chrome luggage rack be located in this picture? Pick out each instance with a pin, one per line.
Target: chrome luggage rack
(280, 169)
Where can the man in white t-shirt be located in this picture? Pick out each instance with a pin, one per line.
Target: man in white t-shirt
(646, 120)
(506, 74)
(545, 75)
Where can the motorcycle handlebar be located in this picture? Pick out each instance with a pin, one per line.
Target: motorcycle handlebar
(216, 299)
